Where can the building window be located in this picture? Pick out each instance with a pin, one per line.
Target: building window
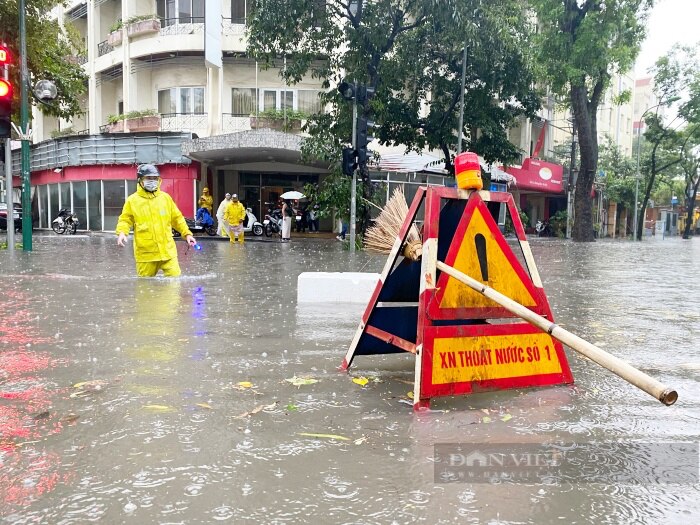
(304, 100)
(244, 101)
(241, 10)
(309, 101)
(181, 100)
(180, 12)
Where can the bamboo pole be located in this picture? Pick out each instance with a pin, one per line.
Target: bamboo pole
(616, 365)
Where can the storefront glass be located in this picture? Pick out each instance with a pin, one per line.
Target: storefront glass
(113, 201)
(64, 190)
(53, 201)
(44, 219)
(95, 205)
(79, 204)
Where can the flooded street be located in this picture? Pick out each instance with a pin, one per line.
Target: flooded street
(126, 400)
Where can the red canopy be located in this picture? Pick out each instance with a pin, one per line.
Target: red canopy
(538, 175)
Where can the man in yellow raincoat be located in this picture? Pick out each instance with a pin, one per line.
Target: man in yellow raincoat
(206, 201)
(235, 215)
(152, 215)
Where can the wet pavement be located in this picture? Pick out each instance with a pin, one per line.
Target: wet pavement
(126, 400)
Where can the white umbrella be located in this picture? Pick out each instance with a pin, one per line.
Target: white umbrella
(292, 195)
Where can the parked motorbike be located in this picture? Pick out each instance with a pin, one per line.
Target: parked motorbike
(251, 224)
(203, 223)
(273, 222)
(66, 222)
(544, 228)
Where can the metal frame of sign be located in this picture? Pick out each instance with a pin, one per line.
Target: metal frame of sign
(514, 353)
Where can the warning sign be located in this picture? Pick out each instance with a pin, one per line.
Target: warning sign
(462, 359)
(463, 341)
(480, 251)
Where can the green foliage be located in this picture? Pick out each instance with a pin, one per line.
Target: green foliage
(558, 223)
(279, 114)
(116, 26)
(620, 173)
(509, 229)
(58, 133)
(412, 52)
(113, 119)
(47, 46)
(140, 18)
(579, 45)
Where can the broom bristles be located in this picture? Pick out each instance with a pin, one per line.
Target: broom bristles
(380, 237)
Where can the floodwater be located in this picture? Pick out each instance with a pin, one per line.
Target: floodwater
(126, 400)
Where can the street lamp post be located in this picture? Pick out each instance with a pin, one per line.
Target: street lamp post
(637, 176)
(24, 124)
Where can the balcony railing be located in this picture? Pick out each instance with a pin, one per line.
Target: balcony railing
(234, 122)
(183, 121)
(234, 26)
(103, 48)
(182, 25)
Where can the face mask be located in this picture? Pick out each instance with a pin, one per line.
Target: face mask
(150, 185)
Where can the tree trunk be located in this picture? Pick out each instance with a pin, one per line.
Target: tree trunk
(588, 143)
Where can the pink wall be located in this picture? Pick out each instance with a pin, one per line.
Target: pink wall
(177, 179)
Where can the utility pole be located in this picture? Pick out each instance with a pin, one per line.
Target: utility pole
(461, 100)
(572, 181)
(353, 189)
(8, 197)
(24, 125)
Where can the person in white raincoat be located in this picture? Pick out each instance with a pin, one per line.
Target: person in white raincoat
(223, 225)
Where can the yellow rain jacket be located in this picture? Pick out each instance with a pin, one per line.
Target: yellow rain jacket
(152, 217)
(235, 213)
(206, 201)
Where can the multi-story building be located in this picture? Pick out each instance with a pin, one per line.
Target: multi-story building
(167, 86)
(170, 83)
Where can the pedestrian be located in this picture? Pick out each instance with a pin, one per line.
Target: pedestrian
(235, 215)
(206, 201)
(343, 230)
(222, 224)
(313, 219)
(152, 214)
(287, 216)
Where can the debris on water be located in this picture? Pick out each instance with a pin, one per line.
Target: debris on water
(362, 381)
(257, 409)
(323, 436)
(301, 381)
(159, 408)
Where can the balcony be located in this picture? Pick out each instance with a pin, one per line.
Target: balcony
(104, 48)
(184, 121)
(234, 122)
(143, 123)
(182, 26)
(143, 27)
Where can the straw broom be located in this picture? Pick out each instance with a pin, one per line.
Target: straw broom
(380, 238)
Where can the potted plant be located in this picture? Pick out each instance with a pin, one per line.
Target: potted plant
(115, 34)
(288, 121)
(143, 120)
(142, 24)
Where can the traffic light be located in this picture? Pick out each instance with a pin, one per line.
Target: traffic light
(5, 94)
(363, 137)
(349, 163)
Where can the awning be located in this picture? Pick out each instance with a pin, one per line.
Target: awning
(537, 175)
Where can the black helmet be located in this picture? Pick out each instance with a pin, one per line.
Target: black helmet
(147, 169)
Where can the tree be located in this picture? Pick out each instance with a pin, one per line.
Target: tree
(581, 43)
(674, 73)
(619, 178)
(48, 45)
(411, 52)
(690, 168)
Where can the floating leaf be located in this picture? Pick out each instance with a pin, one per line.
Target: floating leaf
(205, 405)
(485, 411)
(244, 384)
(70, 418)
(486, 419)
(362, 381)
(301, 381)
(410, 395)
(507, 417)
(257, 409)
(405, 381)
(360, 440)
(159, 408)
(291, 407)
(323, 436)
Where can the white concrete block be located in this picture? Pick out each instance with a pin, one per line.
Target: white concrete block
(335, 287)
